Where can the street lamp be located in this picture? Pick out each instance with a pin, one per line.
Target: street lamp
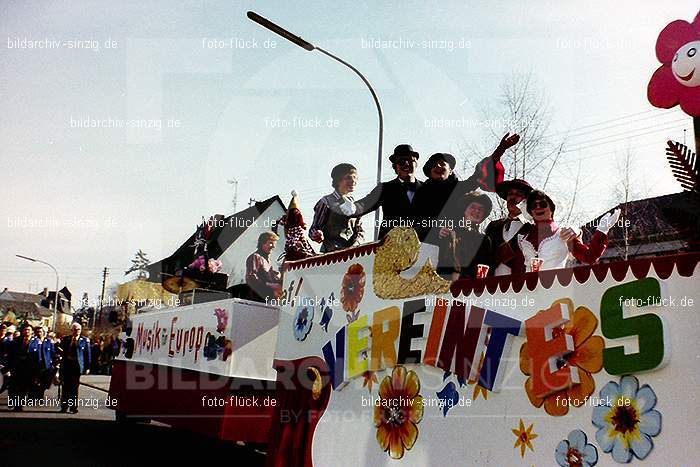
(55, 302)
(310, 47)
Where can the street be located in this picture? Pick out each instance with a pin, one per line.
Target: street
(92, 437)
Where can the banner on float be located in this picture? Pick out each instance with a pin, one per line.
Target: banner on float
(227, 337)
(593, 367)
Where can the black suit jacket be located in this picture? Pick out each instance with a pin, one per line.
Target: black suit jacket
(396, 207)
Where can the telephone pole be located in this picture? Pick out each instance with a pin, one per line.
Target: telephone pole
(234, 184)
(102, 299)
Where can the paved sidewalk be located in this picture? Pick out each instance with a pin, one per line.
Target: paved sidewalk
(100, 382)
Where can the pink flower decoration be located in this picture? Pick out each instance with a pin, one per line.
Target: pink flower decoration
(677, 81)
(215, 265)
(221, 319)
(198, 264)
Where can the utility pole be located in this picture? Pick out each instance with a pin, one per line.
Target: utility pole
(234, 201)
(102, 299)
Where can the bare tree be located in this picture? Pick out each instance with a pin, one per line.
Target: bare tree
(628, 188)
(524, 108)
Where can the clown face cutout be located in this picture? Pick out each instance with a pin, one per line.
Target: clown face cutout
(686, 64)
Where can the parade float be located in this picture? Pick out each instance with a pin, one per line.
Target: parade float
(204, 367)
(370, 358)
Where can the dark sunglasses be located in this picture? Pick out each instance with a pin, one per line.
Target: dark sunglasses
(405, 161)
(540, 204)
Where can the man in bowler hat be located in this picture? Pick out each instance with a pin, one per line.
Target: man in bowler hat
(395, 197)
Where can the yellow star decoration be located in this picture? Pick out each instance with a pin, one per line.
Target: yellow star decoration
(478, 389)
(524, 437)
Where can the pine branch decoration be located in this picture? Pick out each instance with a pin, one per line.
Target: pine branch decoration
(684, 165)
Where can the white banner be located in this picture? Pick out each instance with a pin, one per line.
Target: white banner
(228, 337)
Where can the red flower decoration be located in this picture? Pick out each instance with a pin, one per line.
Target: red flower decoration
(677, 81)
(353, 288)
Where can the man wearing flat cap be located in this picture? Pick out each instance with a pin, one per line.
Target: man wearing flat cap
(330, 227)
(396, 197)
(506, 257)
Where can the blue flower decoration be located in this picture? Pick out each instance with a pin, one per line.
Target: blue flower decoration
(574, 451)
(303, 319)
(462, 382)
(210, 349)
(449, 397)
(326, 314)
(626, 419)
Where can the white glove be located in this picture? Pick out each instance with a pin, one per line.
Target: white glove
(608, 220)
(524, 216)
(348, 207)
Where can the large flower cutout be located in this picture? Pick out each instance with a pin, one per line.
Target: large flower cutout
(574, 451)
(353, 288)
(677, 80)
(587, 357)
(626, 420)
(303, 319)
(398, 412)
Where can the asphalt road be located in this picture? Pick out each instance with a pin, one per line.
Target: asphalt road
(41, 435)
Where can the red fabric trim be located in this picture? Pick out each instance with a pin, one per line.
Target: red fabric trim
(333, 257)
(684, 263)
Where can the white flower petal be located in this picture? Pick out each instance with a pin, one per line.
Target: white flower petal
(610, 391)
(650, 423)
(619, 452)
(646, 399)
(641, 446)
(599, 414)
(560, 453)
(577, 440)
(590, 455)
(629, 386)
(604, 440)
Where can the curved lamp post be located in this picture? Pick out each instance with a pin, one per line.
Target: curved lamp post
(310, 47)
(55, 302)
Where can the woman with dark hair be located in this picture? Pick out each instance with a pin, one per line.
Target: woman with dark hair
(332, 228)
(546, 246)
(473, 247)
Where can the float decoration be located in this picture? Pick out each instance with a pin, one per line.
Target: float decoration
(524, 437)
(397, 423)
(574, 369)
(677, 80)
(626, 420)
(398, 252)
(296, 246)
(574, 451)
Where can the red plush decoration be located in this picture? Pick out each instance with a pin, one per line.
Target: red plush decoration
(677, 81)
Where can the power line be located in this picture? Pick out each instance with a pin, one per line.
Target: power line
(608, 121)
(619, 124)
(628, 131)
(677, 127)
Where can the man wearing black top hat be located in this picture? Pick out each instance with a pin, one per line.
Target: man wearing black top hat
(395, 197)
(506, 257)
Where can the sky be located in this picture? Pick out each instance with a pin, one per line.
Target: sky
(190, 95)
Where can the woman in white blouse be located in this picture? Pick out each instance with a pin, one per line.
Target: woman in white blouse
(552, 246)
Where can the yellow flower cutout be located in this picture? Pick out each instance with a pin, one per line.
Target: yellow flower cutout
(525, 437)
